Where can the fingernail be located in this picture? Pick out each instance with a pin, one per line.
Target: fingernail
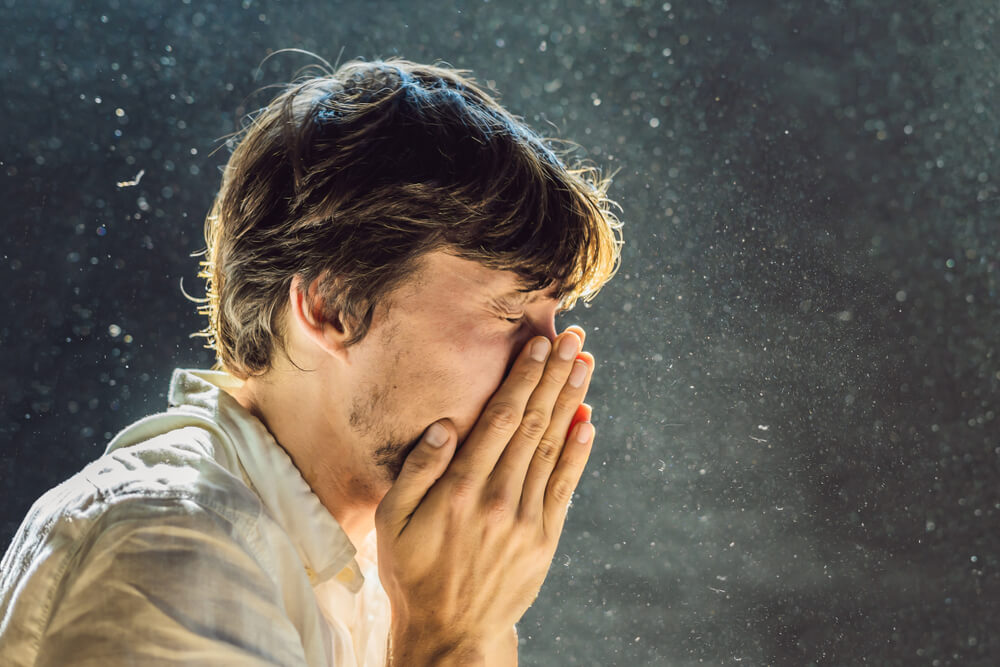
(584, 432)
(540, 349)
(569, 346)
(578, 374)
(436, 435)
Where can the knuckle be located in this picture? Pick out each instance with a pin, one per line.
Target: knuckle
(498, 505)
(548, 450)
(463, 487)
(534, 423)
(555, 378)
(418, 463)
(561, 490)
(567, 401)
(502, 417)
(531, 373)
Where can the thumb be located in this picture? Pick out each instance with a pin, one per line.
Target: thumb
(424, 465)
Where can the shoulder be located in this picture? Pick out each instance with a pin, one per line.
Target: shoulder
(170, 479)
(149, 575)
(146, 519)
(179, 465)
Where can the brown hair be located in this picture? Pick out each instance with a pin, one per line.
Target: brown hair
(353, 176)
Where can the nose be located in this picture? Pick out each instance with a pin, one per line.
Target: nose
(546, 326)
(536, 325)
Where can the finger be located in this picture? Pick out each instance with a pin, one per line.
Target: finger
(502, 415)
(549, 450)
(565, 478)
(538, 413)
(582, 414)
(422, 468)
(578, 330)
(584, 411)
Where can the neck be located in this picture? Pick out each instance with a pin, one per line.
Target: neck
(323, 455)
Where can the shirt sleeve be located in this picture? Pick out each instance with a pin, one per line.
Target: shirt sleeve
(169, 583)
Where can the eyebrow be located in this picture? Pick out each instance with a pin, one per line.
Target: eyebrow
(520, 297)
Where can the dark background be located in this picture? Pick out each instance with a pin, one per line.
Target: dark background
(799, 451)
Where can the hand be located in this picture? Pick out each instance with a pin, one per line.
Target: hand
(465, 542)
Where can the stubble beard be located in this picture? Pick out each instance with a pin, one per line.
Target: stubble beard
(367, 418)
(391, 456)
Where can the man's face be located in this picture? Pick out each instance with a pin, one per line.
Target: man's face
(439, 350)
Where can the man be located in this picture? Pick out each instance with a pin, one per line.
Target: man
(378, 470)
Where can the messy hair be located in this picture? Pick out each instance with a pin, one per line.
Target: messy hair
(350, 178)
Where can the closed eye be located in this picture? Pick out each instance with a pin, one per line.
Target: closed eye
(514, 320)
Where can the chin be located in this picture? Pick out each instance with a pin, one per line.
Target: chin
(390, 457)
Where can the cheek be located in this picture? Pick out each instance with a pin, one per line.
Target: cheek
(466, 370)
(483, 365)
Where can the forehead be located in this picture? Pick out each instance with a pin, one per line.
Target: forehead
(445, 275)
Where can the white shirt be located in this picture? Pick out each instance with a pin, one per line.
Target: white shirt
(193, 540)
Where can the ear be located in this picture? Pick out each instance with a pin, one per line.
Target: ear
(314, 320)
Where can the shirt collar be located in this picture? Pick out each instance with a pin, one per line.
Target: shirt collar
(323, 546)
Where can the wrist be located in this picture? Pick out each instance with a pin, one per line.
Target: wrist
(419, 647)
